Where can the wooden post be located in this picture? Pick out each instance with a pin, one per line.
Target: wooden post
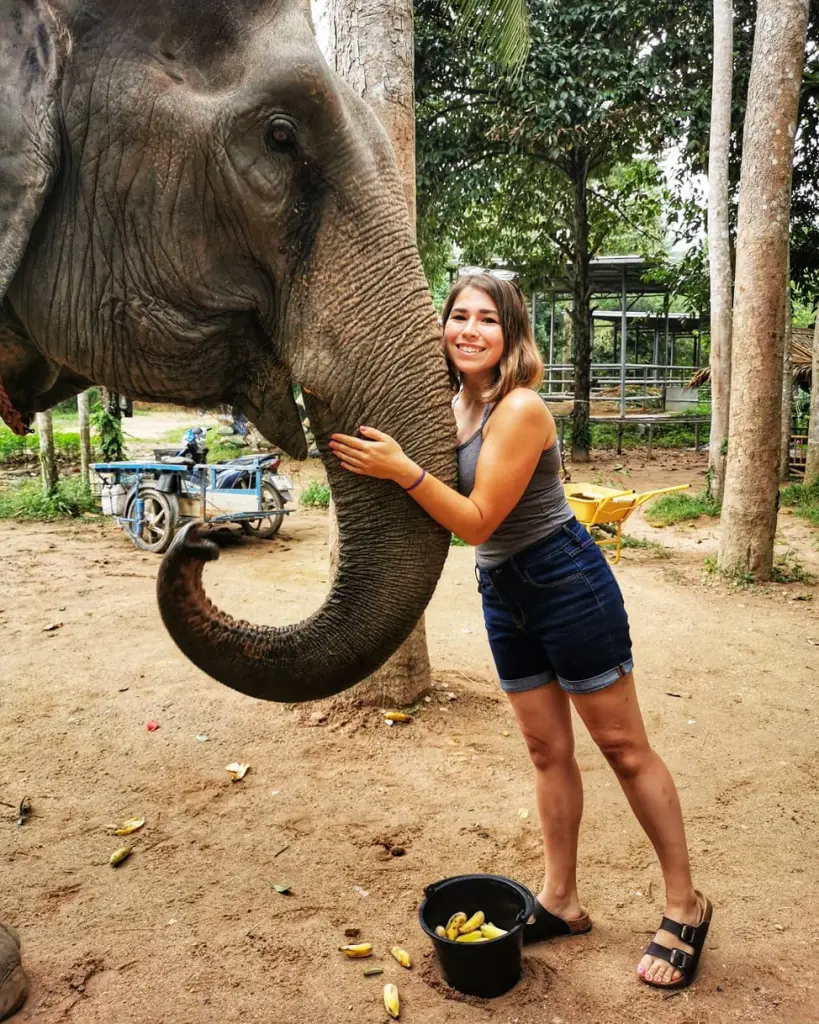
(787, 393)
(85, 438)
(696, 437)
(650, 438)
(48, 463)
(619, 437)
(623, 346)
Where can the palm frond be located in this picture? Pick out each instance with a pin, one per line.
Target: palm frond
(502, 27)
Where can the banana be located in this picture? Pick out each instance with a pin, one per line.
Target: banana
(490, 931)
(360, 949)
(471, 937)
(396, 716)
(473, 923)
(391, 1001)
(453, 925)
(402, 956)
(370, 971)
(440, 930)
(118, 856)
(133, 825)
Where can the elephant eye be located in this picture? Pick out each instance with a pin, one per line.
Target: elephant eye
(280, 136)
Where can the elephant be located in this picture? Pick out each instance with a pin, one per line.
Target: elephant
(194, 209)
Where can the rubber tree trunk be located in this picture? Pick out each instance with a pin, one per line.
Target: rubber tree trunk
(48, 462)
(812, 466)
(719, 243)
(748, 522)
(787, 392)
(85, 437)
(581, 310)
(372, 47)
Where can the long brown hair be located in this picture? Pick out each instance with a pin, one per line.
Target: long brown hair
(521, 365)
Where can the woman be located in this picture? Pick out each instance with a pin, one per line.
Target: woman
(553, 611)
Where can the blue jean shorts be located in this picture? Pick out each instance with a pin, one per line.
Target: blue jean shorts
(555, 611)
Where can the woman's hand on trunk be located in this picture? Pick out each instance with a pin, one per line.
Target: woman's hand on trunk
(377, 454)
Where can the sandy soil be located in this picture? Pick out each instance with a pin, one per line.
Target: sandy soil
(190, 929)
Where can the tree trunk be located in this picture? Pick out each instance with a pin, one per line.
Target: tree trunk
(812, 466)
(48, 462)
(719, 243)
(581, 312)
(749, 508)
(787, 391)
(371, 46)
(85, 437)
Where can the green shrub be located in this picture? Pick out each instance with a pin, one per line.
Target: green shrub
(14, 449)
(650, 546)
(315, 495)
(109, 432)
(676, 508)
(27, 501)
(803, 500)
(635, 435)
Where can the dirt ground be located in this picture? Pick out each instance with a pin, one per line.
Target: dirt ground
(190, 929)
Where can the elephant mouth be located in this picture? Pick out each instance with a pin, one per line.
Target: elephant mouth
(18, 422)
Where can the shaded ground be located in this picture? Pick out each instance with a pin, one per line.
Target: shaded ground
(189, 929)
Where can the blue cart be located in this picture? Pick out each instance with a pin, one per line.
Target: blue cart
(151, 499)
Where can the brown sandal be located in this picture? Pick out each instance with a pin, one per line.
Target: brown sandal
(547, 925)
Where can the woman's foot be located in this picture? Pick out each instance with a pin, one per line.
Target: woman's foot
(690, 922)
(555, 918)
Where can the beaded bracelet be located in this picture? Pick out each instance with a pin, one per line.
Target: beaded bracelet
(418, 481)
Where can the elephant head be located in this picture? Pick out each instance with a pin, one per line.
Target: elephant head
(194, 209)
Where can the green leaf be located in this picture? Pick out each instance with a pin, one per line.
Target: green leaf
(502, 27)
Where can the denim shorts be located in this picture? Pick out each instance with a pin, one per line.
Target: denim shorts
(555, 611)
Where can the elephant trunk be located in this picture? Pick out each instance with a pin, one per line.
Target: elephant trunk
(391, 552)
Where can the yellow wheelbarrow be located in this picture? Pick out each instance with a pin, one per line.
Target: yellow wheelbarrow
(601, 506)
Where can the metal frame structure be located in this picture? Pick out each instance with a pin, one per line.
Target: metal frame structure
(622, 276)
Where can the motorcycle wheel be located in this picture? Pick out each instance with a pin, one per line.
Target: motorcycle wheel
(160, 512)
(268, 527)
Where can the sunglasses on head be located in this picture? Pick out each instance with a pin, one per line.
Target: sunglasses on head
(501, 275)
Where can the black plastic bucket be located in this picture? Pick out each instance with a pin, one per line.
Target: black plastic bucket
(481, 968)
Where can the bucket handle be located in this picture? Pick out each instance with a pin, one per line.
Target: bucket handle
(528, 910)
(522, 917)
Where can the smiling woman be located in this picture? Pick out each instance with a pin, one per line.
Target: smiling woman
(554, 613)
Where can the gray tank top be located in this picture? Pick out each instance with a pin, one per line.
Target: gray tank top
(541, 510)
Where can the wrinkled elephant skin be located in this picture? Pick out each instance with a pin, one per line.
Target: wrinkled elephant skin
(194, 209)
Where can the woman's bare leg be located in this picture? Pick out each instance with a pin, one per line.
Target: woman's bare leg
(615, 723)
(544, 717)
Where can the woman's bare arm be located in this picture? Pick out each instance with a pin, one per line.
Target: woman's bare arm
(520, 428)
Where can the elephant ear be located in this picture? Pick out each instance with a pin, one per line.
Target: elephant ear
(32, 45)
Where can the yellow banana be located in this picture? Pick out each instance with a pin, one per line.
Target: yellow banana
(402, 956)
(440, 930)
(490, 931)
(473, 924)
(133, 825)
(118, 856)
(471, 937)
(391, 1001)
(360, 949)
(396, 716)
(453, 925)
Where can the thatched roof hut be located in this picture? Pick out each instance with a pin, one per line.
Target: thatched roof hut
(802, 353)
